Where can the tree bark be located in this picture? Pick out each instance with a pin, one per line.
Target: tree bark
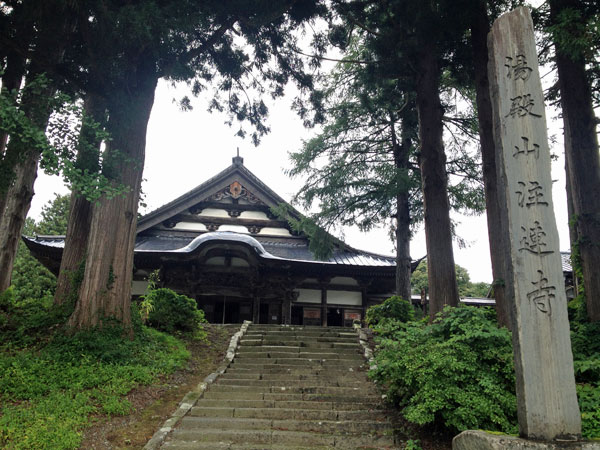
(80, 210)
(480, 27)
(105, 290)
(443, 289)
(17, 206)
(16, 200)
(401, 160)
(581, 152)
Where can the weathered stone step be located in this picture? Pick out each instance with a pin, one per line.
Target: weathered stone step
(289, 363)
(356, 376)
(292, 382)
(305, 355)
(185, 438)
(297, 349)
(290, 414)
(278, 369)
(333, 343)
(314, 426)
(292, 404)
(289, 389)
(282, 396)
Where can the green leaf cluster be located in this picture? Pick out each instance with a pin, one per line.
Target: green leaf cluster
(30, 279)
(456, 372)
(466, 288)
(394, 308)
(172, 312)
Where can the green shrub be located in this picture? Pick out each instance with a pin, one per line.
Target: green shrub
(393, 308)
(457, 372)
(172, 312)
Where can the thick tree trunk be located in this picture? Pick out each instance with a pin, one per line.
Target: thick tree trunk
(105, 291)
(12, 221)
(443, 289)
(16, 200)
(401, 161)
(479, 29)
(80, 210)
(581, 152)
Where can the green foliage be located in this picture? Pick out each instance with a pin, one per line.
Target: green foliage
(321, 243)
(466, 288)
(394, 308)
(48, 393)
(457, 372)
(146, 305)
(585, 342)
(30, 279)
(174, 313)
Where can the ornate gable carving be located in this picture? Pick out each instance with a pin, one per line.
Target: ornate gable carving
(236, 191)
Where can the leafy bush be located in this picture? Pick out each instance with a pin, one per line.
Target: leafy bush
(172, 312)
(457, 372)
(585, 342)
(393, 308)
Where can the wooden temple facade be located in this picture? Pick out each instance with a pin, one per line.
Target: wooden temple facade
(221, 245)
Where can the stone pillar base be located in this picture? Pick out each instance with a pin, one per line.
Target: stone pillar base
(480, 440)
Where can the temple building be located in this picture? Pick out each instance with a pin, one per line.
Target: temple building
(221, 245)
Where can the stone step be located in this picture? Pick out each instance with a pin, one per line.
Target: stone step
(290, 363)
(282, 396)
(245, 342)
(305, 355)
(290, 404)
(289, 414)
(311, 389)
(292, 382)
(185, 439)
(278, 369)
(314, 426)
(297, 349)
(296, 376)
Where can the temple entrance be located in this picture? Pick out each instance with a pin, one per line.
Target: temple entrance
(225, 309)
(335, 317)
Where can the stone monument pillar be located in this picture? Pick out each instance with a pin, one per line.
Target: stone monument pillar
(545, 381)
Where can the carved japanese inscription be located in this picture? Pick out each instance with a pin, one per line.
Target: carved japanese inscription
(534, 284)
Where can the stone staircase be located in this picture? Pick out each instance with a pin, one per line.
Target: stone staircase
(289, 387)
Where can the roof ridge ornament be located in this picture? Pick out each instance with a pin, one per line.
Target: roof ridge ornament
(238, 160)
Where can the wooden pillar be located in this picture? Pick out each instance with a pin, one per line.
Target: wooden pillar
(255, 309)
(286, 309)
(323, 306)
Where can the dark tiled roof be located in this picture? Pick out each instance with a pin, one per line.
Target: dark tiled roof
(266, 247)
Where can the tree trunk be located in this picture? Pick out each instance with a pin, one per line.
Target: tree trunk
(80, 210)
(105, 290)
(401, 161)
(16, 58)
(480, 27)
(16, 200)
(581, 152)
(12, 221)
(443, 289)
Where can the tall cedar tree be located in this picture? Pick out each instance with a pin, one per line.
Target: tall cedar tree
(570, 21)
(42, 50)
(129, 47)
(361, 169)
(370, 174)
(418, 38)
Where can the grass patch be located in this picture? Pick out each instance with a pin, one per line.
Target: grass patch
(49, 392)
